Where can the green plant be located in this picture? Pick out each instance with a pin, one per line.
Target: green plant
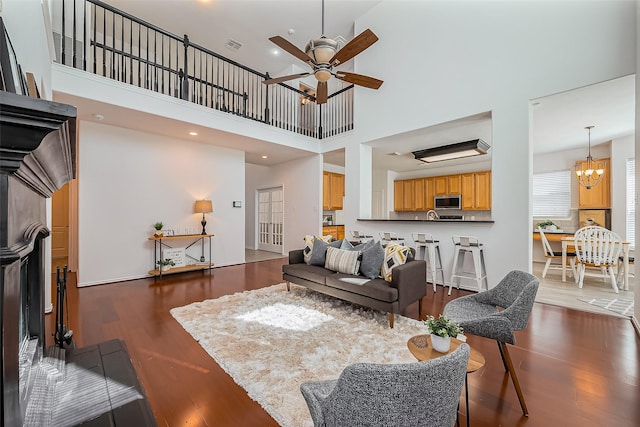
(158, 225)
(442, 326)
(165, 262)
(546, 223)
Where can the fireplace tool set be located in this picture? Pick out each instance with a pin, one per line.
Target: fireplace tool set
(62, 335)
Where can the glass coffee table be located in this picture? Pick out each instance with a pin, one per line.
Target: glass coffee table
(421, 348)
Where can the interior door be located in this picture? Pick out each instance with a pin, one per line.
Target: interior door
(270, 219)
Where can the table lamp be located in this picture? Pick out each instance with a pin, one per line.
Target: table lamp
(203, 207)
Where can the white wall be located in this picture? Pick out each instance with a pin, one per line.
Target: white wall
(128, 180)
(621, 150)
(301, 180)
(485, 56)
(25, 22)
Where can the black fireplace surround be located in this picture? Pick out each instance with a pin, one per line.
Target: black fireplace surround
(37, 152)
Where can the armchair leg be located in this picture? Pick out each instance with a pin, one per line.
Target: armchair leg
(420, 309)
(514, 378)
(504, 362)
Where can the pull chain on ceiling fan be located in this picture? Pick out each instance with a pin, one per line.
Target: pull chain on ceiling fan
(322, 55)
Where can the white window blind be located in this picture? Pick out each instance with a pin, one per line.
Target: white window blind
(552, 194)
(631, 202)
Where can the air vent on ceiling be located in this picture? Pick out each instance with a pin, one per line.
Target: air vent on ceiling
(233, 45)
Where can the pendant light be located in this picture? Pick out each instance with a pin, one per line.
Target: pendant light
(590, 172)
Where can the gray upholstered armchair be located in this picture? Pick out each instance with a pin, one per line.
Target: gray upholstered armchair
(479, 314)
(411, 394)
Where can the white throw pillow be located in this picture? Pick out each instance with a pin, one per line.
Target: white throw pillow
(342, 261)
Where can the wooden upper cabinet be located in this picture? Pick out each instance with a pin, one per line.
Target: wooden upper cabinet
(332, 191)
(428, 194)
(337, 191)
(482, 190)
(408, 194)
(454, 183)
(419, 194)
(440, 185)
(398, 195)
(468, 184)
(326, 191)
(599, 196)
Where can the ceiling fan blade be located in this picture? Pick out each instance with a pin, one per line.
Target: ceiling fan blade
(322, 92)
(359, 79)
(284, 78)
(286, 45)
(354, 47)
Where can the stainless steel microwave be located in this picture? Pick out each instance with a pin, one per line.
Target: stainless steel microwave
(448, 202)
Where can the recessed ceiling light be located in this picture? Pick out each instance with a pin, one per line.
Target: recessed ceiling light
(275, 52)
(264, 157)
(193, 133)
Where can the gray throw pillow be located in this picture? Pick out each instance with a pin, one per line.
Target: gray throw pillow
(319, 252)
(346, 245)
(372, 258)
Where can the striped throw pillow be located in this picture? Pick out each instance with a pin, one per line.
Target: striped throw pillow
(342, 261)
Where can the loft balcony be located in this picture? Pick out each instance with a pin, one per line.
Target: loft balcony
(111, 43)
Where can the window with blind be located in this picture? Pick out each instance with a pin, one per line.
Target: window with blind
(631, 202)
(552, 194)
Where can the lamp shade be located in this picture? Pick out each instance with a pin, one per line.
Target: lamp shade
(203, 206)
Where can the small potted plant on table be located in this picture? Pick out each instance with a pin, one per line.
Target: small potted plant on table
(442, 329)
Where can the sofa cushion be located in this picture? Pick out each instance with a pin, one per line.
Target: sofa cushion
(346, 245)
(372, 259)
(376, 288)
(319, 252)
(312, 273)
(308, 245)
(394, 256)
(343, 261)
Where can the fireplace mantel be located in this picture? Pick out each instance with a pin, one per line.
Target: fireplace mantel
(37, 157)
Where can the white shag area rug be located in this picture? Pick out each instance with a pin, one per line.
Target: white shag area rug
(270, 341)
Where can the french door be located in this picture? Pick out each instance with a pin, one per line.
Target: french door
(270, 219)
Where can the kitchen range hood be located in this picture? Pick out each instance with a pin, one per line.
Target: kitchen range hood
(474, 147)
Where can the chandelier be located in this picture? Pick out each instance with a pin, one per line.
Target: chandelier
(589, 172)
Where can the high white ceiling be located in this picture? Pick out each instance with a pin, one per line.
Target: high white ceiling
(558, 120)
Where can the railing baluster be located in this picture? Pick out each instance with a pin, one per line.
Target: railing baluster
(62, 36)
(95, 40)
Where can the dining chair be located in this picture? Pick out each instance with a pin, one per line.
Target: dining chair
(552, 255)
(600, 248)
(404, 394)
(496, 314)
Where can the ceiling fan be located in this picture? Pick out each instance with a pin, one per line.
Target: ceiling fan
(322, 55)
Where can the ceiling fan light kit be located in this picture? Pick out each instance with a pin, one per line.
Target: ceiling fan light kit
(322, 55)
(590, 172)
(474, 147)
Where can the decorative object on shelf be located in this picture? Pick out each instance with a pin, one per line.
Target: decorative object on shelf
(203, 207)
(165, 264)
(548, 225)
(442, 329)
(589, 173)
(158, 226)
(175, 255)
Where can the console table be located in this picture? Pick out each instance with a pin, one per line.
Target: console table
(160, 243)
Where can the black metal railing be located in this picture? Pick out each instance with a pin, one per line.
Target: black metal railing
(105, 41)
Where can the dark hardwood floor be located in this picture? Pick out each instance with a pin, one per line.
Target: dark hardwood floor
(575, 368)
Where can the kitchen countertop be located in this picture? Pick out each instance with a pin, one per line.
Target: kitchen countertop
(432, 221)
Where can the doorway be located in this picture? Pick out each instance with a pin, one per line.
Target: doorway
(60, 228)
(270, 219)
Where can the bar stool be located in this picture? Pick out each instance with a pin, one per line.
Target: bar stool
(360, 237)
(387, 237)
(428, 249)
(462, 246)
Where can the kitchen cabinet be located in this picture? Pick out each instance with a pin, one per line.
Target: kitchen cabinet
(332, 191)
(599, 196)
(337, 231)
(417, 194)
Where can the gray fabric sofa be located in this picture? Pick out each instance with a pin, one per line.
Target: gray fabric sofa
(407, 286)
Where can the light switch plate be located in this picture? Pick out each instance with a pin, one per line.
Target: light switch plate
(237, 204)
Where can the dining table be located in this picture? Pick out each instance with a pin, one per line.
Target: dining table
(626, 246)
